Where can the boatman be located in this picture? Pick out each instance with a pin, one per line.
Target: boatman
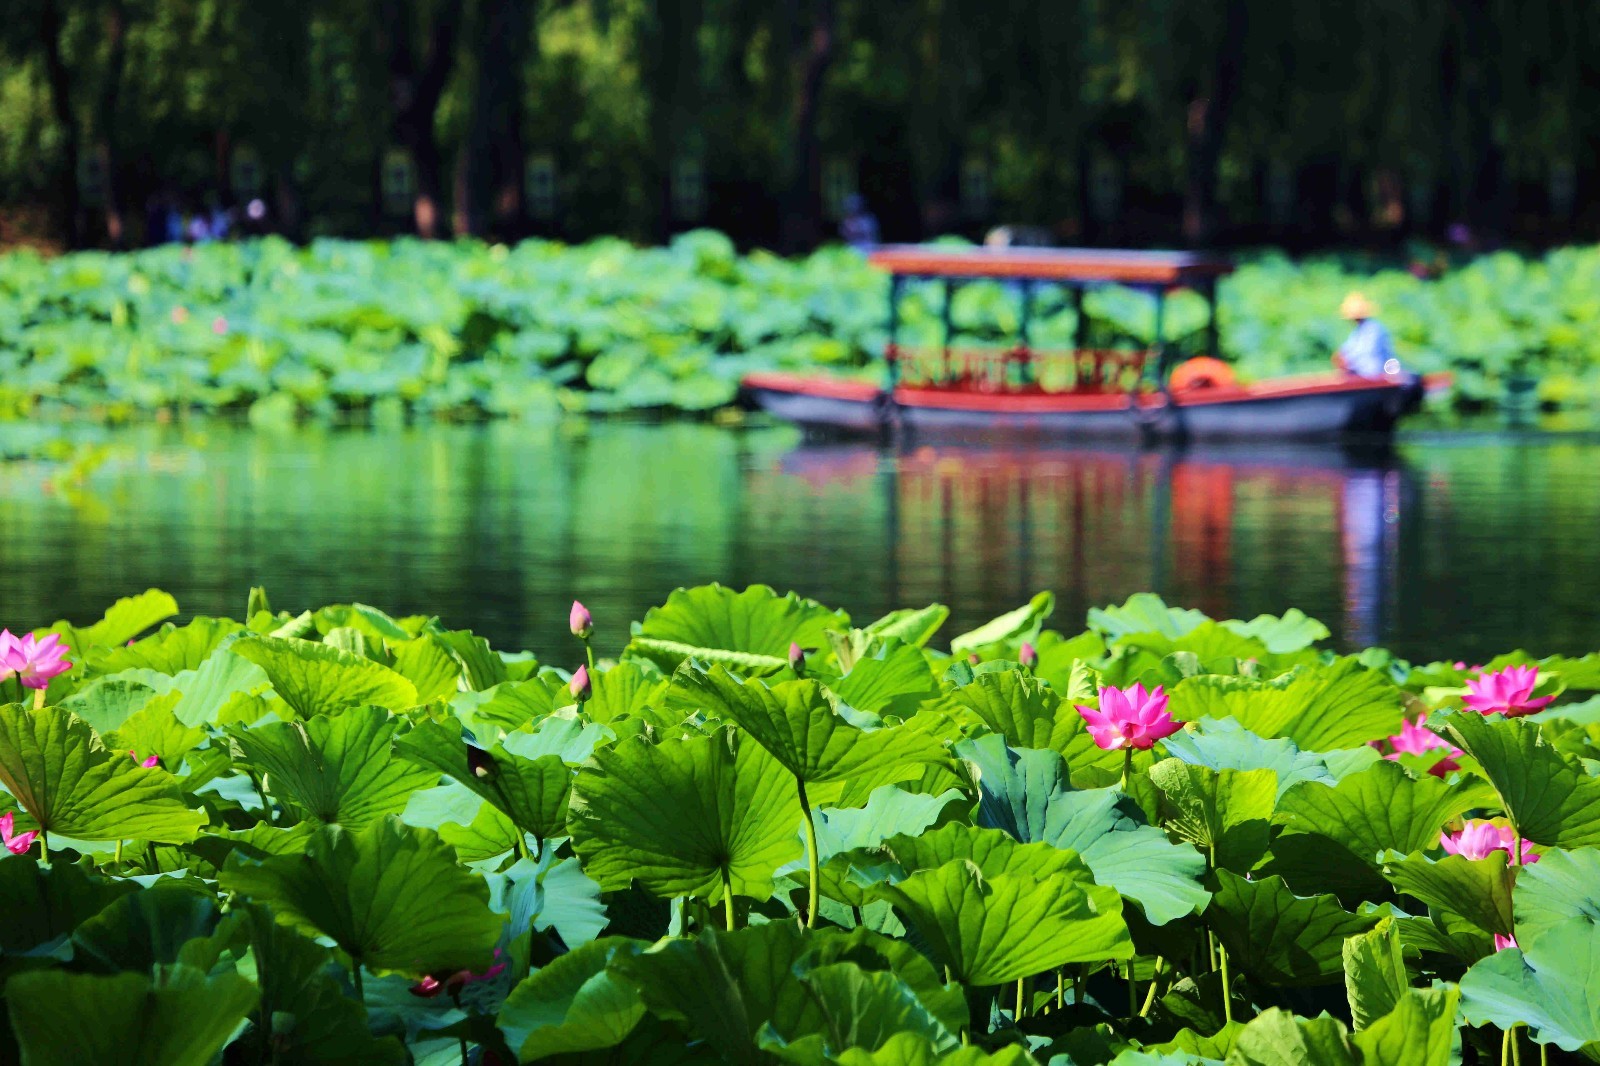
(1367, 352)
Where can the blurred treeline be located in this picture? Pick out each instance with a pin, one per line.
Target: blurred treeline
(1297, 122)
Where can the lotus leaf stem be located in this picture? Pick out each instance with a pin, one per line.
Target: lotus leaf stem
(1127, 767)
(1150, 997)
(1516, 1048)
(38, 699)
(1133, 993)
(355, 974)
(1505, 1048)
(1022, 994)
(1061, 989)
(813, 867)
(727, 900)
(1227, 988)
(463, 1039)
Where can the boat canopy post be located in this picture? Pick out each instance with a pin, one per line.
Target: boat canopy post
(1213, 337)
(892, 352)
(948, 324)
(1025, 330)
(1158, 341)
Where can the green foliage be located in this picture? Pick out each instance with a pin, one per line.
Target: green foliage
(375, 839)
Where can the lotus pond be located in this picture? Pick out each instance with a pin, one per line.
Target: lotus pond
(1429, 551)
(768, 832)
(465, 330)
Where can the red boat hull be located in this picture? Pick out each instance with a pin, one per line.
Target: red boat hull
(1313, 407)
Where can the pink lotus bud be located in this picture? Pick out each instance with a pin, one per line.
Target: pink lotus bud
(797, 657)
(147, 763)
(974, 658)
(15, 843)
(579, 621)
(1129, 718)
(1028, 656)
(219, 325)
(1501, 942)
(579, 687)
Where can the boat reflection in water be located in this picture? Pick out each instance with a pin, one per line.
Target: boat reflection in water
(1233, 531)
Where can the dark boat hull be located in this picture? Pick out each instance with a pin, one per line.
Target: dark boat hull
(1299, 409)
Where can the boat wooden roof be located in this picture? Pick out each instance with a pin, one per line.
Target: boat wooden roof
(1050, 264)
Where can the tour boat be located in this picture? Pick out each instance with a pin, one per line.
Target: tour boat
(1083, 391)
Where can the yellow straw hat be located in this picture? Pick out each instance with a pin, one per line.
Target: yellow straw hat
(1356, 306)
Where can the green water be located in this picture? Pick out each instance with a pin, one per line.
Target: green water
(1459, 545)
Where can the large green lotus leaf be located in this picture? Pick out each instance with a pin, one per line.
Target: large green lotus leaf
(63, 776)
(155, 730)
(1025, 793)
(895, 679)
(860, 1009)
(426, 662)
(1548, 985)
(1209, 642)
(1320, 708)
(990, 851)
(795, 721)
(675, 816)
(46, 903)
(1478, 890)
(1562, 885)
(1374, 973)
(147, 928)
(1446, 933)
(991, 931)
(1020, 624)
(1227, 745)
(339, 769)
(1419, 1031)
(1277, 1038)
(889, 811)
(553, 893)
(561, 734)
(1029, 714)
(169, 650)
(392, 897)
(626, 690)
(315, 678)
(574, 1004)
(1227, 813)
(485, 835)
(481, 668)
(1279, 937)
(510, 705)
(751, 630)
(1145, 612)
(304, 1015)
(914, 1049)
(1291, 632)
(1548, 796)
(107, 703)
(1381, 808)
(212, 690)
(183, 1019)
(533, 793)
(123, 621)
(914, 625)
(729, 987)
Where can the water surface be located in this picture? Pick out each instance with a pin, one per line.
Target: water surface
(1458, 544)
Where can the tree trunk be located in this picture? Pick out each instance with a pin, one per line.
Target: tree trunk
(1208, 112)
(802, 206)
(60, 80)
(116, 29)
(415, 86)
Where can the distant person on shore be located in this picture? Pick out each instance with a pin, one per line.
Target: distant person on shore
(1368, 352)
(859, 227)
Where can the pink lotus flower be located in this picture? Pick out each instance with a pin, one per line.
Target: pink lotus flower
(1508, 692)
(147, 763)
(1413, 739)
(34, 661)
(1501, 942)
(15, 843)
(431, 986)
(1129, 718)
(579, 685)
(1479, 840)
(580, 622)
(1028, 656)
(219, 325)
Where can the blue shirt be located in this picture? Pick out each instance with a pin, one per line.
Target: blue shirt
(1367, 349)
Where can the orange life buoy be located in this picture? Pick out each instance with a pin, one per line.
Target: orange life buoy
(1202, 372)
